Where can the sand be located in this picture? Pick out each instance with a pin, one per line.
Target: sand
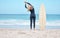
(20, 33)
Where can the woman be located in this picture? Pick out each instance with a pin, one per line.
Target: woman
(32, 15)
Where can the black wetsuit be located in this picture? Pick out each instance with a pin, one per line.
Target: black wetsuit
(32, 16)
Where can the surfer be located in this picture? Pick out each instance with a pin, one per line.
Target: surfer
(32, 15)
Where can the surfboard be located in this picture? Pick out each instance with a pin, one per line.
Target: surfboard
(42, 17)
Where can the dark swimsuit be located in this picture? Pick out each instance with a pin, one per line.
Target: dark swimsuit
(32, 16)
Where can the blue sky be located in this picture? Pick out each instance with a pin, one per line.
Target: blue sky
(17, 6)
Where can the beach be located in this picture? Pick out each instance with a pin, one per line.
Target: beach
(24, 33)
(18, 26)
(15, 19)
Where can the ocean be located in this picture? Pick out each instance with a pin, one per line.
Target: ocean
(22, 21)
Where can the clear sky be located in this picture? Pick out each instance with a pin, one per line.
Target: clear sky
(17, 6)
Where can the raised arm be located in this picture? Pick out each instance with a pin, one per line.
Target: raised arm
(28, 3)
(29, 6)
(25, 6)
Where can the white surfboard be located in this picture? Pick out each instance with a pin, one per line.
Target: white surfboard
(42, 17)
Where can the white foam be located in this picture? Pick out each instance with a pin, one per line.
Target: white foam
(15, 22)
(53, 23)
(27, 22)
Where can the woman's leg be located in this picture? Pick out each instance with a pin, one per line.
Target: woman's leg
(30, 22)
(34, 22)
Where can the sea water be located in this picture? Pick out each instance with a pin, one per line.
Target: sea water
(22, 21)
